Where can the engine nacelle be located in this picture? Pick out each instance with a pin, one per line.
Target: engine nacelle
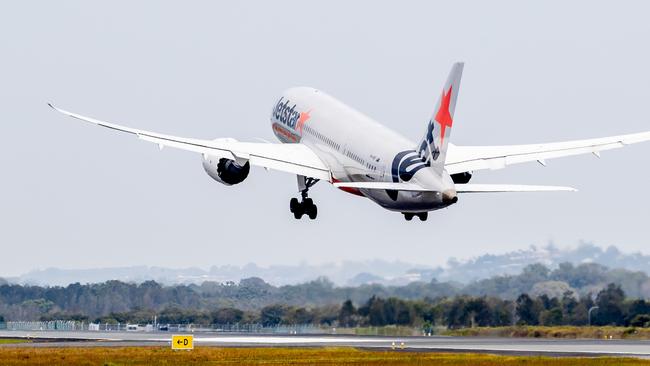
(226, 171)
(461, 178)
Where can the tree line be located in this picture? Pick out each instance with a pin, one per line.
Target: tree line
(609, 307)
(559, 296)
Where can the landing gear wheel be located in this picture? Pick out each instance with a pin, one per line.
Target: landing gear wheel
(294, 205)
(307, 203)
(423, 216)
(408, 216)
(297, 214)
(312, 211)
(306, 206)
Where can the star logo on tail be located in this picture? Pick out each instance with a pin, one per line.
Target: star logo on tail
(443, 117)
(304, 116)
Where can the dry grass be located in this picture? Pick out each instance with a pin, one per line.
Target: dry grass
(554, 332)
(275, 356)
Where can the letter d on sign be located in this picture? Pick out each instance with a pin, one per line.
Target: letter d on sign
(183, 342)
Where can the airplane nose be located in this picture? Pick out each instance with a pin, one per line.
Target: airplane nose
(449, 197)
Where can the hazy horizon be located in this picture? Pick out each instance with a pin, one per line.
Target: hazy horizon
(441, 262)
(386, 272)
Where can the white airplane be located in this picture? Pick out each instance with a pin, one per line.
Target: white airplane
(324, 139)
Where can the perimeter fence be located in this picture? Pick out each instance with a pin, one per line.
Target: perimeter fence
(70, 325)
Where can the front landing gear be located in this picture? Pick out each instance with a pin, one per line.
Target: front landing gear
(423, 216)
(306, 206)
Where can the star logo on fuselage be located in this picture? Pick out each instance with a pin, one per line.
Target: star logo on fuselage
(443, 117)
(304, 116)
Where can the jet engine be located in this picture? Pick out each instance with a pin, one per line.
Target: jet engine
(461, 178)
(226, 171)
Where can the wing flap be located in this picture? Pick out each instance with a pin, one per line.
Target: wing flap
(460, 188)
(382, 185)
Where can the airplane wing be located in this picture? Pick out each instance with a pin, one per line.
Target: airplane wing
(471, 158)
(292, 158)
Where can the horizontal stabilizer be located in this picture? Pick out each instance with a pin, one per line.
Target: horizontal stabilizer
(382, 185)
(501, 188)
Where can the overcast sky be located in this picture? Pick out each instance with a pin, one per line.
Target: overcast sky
(74, 195)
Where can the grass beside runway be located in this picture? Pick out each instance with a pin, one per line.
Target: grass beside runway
(567, 332)
(11, 356)
(519, 331)
(12, 341)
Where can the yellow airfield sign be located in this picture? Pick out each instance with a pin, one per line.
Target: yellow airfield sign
(182, 342)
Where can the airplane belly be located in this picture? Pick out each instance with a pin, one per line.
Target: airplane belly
(403, 201)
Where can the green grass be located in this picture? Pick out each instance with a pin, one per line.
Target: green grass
(14, 356)
(553, 332)
(12, 341)
(569, 332)
(388, 330)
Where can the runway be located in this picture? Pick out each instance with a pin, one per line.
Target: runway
(513, 346)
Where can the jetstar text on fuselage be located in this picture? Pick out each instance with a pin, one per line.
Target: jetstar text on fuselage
(285, 114)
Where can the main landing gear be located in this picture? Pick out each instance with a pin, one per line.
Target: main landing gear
(423, 216)
(306, 205)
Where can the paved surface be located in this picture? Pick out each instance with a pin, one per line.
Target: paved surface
(517, 346)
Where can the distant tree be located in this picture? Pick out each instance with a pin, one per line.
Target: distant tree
(640, 320)
(297, 315)
(551, 317)
(427, 327)
(272, 315)
(397, 311)
(639, 306)
(502, 312)
(347, 314)
(551, 289)
(576, 313)
(62, 316)
(455, 316)
(227, 316)
(581, 276)
(403, 313)
(364, 309)
(636, 308)
(326, 315)
(570, 306)
(545, 302)
(477, 313)
(2, 319)
(536, 272)
(610, 306)
(170, 315)
(526, 311)
(428, 312)
(569, 303)
(376, 312)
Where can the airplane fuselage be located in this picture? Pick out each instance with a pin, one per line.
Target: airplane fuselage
(356, 148)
